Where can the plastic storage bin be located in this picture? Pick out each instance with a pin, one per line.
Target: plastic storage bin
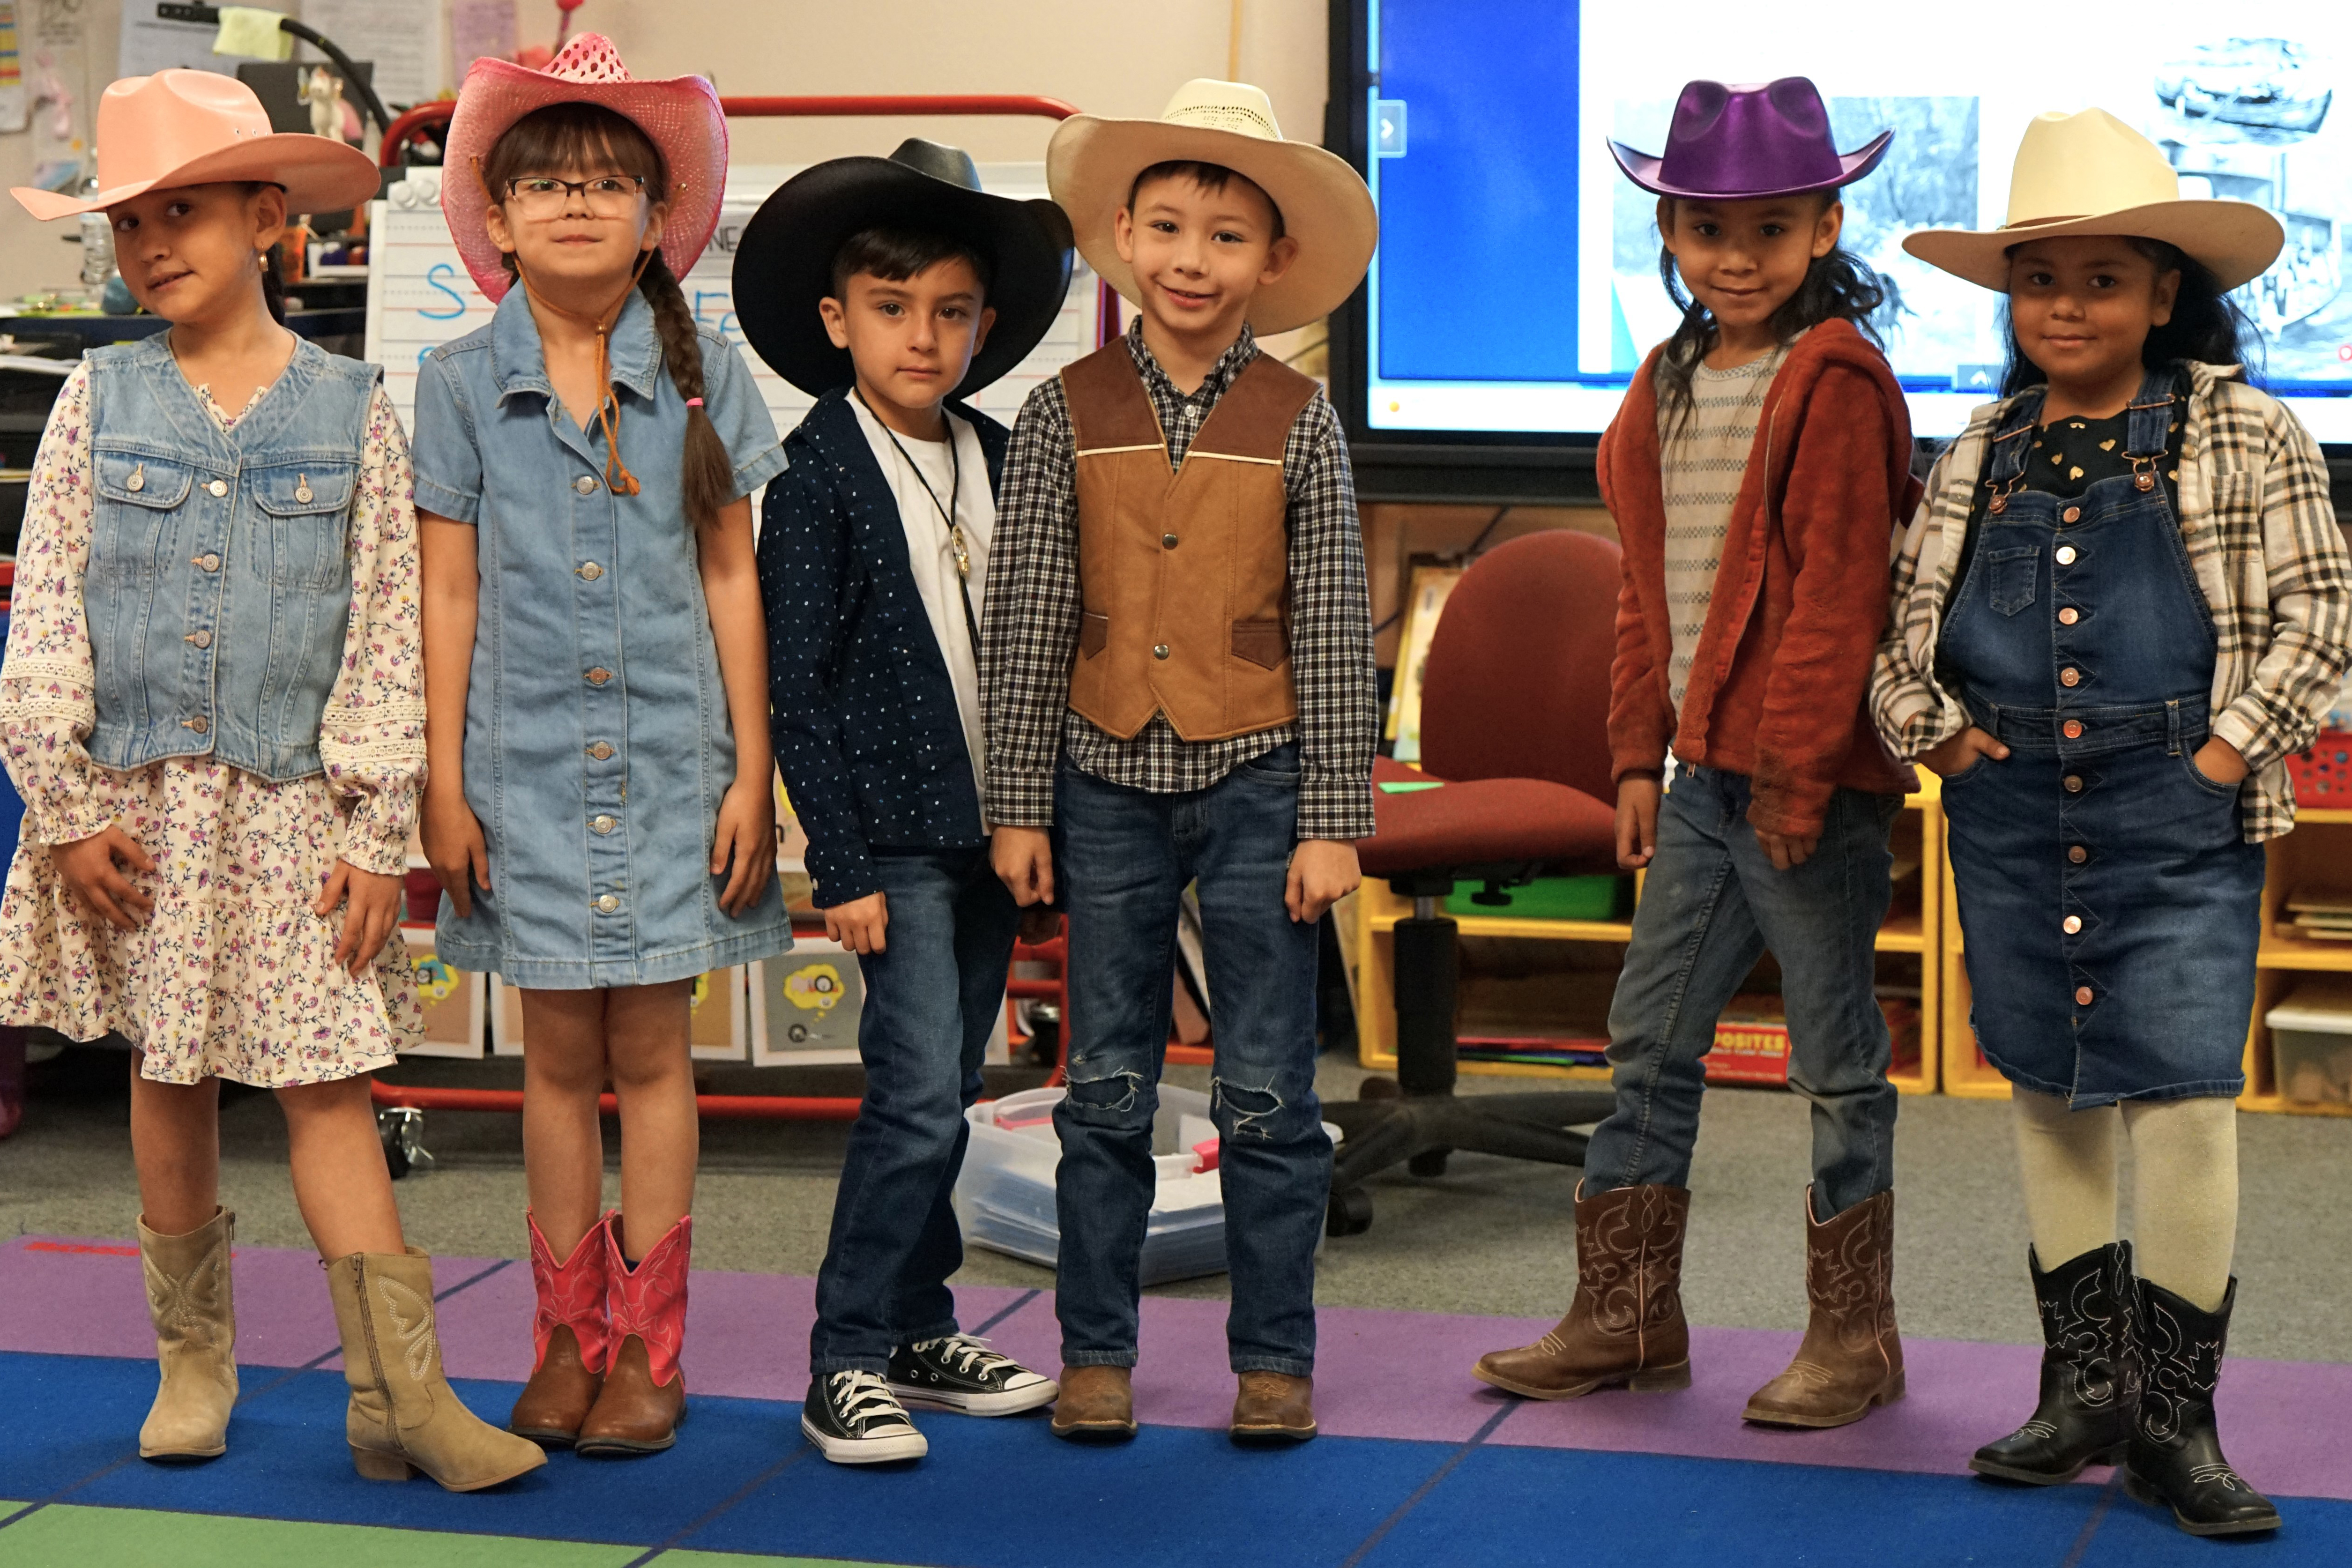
(1004, 1196)
(2311, 1043)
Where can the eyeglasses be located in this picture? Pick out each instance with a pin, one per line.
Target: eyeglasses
(545, 196)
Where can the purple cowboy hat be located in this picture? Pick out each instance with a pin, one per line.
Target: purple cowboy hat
(1738, 143)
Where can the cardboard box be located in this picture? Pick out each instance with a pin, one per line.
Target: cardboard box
(453, 1000)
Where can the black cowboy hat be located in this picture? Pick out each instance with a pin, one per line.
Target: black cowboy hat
(783, 263)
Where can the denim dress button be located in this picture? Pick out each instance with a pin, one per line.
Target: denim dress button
(599, 675)
(2070, 676)
(2073, 782)
(600, 824)
(584, 484)
(217, 489)
(199, 724)
(602, 750)
(590, 571)
(2078, 854)
(201, 639)
(606, 904)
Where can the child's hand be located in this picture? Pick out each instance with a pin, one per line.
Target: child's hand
(454, 847)
(1788, 850)
(1322, 872)
(862, 925)
(91, 867)
(747, 836)
(375, 909)
(1637, 820)
(2220, 762)
(1023, 859)
(1960, 753)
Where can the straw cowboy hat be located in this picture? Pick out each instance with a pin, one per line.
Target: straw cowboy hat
(2090, 173)
(198, 128)
(783, 263)
(1732, 143)
(679, 114)
(1092, 162)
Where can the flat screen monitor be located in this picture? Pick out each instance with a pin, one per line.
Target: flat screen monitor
(1517, 286)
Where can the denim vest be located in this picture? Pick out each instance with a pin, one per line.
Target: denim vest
(219, 586)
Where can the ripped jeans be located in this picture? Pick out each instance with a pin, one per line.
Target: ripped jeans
(1122, 859)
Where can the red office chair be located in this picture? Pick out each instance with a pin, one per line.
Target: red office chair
(1515, 719)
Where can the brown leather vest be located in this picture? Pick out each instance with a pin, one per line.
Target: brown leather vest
(1185, 575)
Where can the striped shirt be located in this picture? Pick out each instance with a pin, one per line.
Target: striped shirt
(1702, 458)
(2268, 560)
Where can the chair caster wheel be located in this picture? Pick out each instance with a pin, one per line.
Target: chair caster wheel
(1349, 1214)
(1429, 1163)
(1379, 1089)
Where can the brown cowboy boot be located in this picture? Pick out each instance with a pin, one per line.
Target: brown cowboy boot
(1625, 1325)
(1096, 1405)
(1851, 1358)
(1273, 1408)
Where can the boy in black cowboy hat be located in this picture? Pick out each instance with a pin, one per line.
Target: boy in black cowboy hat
(890, 287)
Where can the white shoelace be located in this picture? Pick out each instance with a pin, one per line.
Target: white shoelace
(969, 1354)
(863, 1396)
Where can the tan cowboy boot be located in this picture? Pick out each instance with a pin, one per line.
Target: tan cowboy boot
(404, 1416)
(1096, 1405)
(1851, 1358)
(1273, 1408)
(188, 1296)
(1625, 1325)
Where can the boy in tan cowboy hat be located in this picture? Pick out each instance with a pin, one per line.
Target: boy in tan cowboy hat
(2122, 603)
(1178, 667)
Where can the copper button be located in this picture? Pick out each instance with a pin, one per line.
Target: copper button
(2081, 995)
(201, 639)
(601, 750)
(2065, 554)
(206, 562)
(2071, 729)
(1161, 652)
(2073, 924)
(602, 824)
(599, 675)
(584, 484)
(2074, 783)
(2078, 854)
(2071, 515)
(606, 904)
(199, 724)
(2070, 676)
(2068, 616)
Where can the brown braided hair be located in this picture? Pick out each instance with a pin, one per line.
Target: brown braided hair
(566, 138)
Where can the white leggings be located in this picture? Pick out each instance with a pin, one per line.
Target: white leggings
(2184, 1185)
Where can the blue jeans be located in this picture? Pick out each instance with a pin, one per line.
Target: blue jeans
(931, 996)
(1123, 860)
(1710, 907)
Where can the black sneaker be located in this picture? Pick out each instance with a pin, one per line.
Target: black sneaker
(960, 1373)
(852, 1419)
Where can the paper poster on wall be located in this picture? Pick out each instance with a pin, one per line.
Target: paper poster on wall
(402, 37)
(478, 29)
(150, 43)
(12, 115)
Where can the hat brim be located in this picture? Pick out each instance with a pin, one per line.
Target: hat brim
(319, 174)
(679, 114)
(1642, 168)
(1092, 162)
(784, 264)
(2235, 241)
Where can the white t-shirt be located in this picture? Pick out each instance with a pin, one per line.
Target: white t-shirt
(931, 552)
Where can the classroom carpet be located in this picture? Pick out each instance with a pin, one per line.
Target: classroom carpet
(1418, 1464)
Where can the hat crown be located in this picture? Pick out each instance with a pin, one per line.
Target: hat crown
(590, 57)
(2079, 165)
(150, 125)
(1214, 105)
(952, 165)
(1731, 138)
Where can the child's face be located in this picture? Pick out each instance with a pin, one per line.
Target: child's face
(2082, 305)
(1200, 255)
(1744, 260)
(912, 341)
(189, 255)
(586, 237)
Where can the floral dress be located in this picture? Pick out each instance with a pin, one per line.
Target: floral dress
(231, 976)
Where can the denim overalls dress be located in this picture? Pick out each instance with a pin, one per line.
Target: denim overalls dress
(597, 740)
(2108, 901)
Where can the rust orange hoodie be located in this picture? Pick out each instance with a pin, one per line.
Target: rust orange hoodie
(1799, 601)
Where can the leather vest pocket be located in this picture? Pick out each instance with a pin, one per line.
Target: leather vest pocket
(1261, 642)
(1094, 633)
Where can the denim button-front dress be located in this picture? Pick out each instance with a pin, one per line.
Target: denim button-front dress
(2109, 903)
(597, 741)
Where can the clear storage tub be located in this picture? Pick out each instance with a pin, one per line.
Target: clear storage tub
(2311, 1043)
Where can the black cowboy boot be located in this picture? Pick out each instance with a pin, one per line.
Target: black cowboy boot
(2175, 1461)
(2090, 1384)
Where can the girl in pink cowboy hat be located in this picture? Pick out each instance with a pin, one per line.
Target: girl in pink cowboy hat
(599, 806)
(211, 704)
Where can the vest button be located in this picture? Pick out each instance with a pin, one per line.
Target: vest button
(2071, 729)
(601, 750)
(2065, 554)
(1160, 652)
(199, 724)
(2072, 924)
(599, 675)
(602, 824)
(1167, 541)
(591, 572)
(606, 904)
(2073, 782)
(2081, 995)
(2077, 854)
(218, 487)
(2070, 676)
(584, 484)
(206, 562)
(2068, 616)
(201, 639)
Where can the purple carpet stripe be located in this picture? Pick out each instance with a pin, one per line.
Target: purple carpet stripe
(1379, 1373)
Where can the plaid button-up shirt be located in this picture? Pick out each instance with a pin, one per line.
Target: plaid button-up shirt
(1030, 629)
(2268, 560)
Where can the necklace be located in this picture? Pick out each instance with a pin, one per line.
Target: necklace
(956, 540)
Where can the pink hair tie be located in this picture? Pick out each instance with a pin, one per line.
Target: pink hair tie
(693, 402)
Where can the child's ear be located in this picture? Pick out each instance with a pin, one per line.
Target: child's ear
(1666, 223)
(1122, 236)
(656, 219)
(835, 319)
(1826, 231)
(2168, 294)
(494, 220)
(268, 216)
(1278, 257)
(987, 321)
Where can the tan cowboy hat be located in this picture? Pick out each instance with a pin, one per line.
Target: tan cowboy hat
(2090, 173)
(198, 128)
(1092, 162)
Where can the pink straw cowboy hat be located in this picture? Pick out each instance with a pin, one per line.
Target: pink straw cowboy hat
(198, 128)
(680, 114)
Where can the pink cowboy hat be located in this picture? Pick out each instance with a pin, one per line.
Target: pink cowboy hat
(681, 114)
(198, 128)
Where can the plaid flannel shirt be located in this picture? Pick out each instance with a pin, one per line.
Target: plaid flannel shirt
(1030, 628)
(2262, 539)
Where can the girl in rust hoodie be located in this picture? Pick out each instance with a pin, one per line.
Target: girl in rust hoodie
(1756, 472)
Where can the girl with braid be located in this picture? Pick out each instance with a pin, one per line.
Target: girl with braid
(599, 809)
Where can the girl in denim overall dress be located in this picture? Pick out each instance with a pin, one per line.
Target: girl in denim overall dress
(600, 807)
(213, 707)
(2124, 602)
